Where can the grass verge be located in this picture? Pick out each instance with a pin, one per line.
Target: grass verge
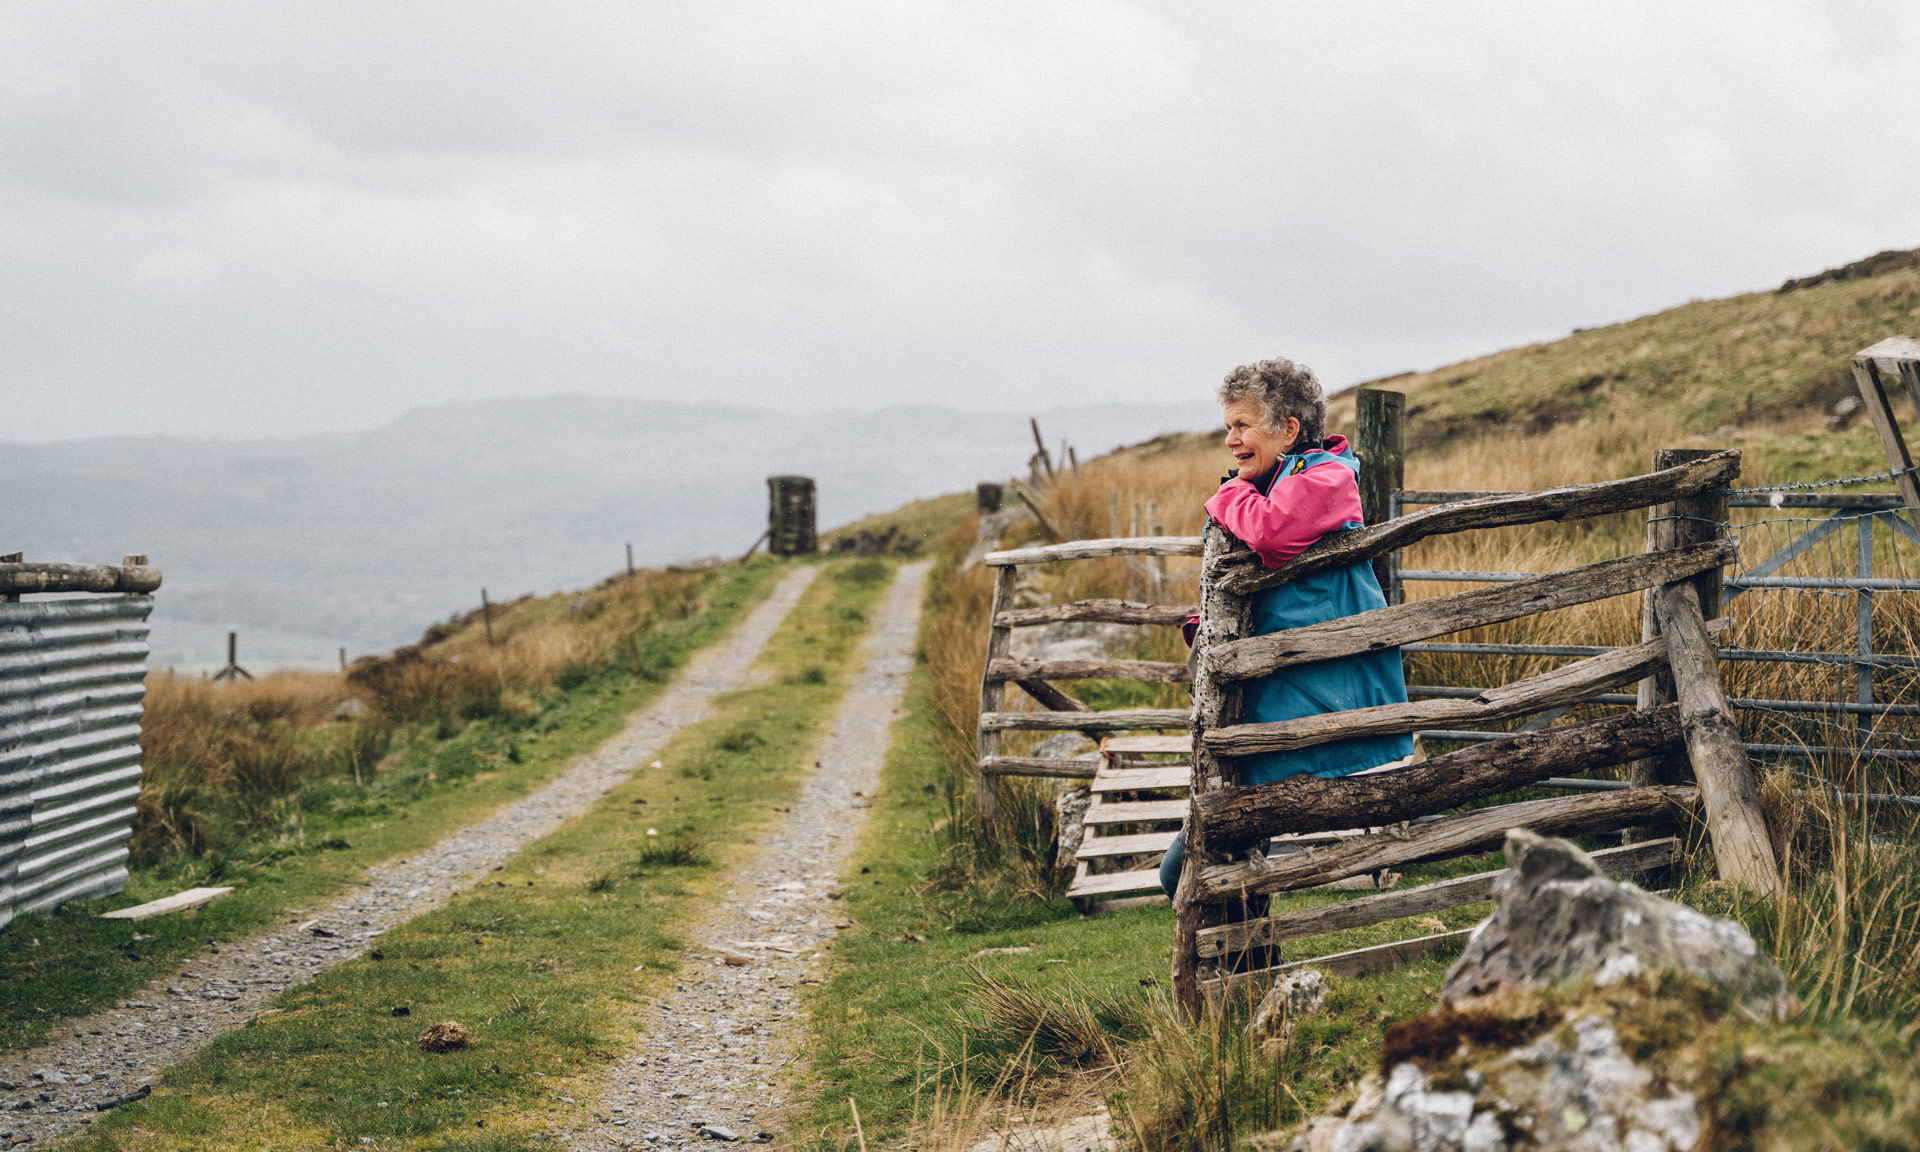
(72, 963)
(937, 991)
(548, 966)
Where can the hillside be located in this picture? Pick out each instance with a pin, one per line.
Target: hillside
(1761, 370)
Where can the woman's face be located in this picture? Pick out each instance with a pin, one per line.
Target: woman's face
(1255, 446)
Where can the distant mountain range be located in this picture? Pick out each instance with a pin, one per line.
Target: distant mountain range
(361, 540)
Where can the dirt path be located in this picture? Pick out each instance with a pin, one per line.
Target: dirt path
(706, 1067)
(48, 1089)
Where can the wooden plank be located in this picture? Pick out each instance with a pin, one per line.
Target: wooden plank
(1353, 964)
(1168, 745)
(1631, 860)
(1136, 811)
(1873, 394)
(1572, 502)
(1144, 779)
(1566, 685)
(1400, 624)
(1742, 850)
(993, 697)
(1460, 834)
(178, 902)
(1380, 442)
(1237, 817)
(1113, 883)
(1100, 611)
(18, 578)
(1150, 671)
(1057, 767)
(1093, 549)
(1137, 844)
(1117, 720)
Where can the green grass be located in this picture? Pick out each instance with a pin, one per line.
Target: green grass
(72, 963)
(904, 1003)
(914, 525)
(550, 965)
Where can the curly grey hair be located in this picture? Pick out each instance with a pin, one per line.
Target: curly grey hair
(1281, 389)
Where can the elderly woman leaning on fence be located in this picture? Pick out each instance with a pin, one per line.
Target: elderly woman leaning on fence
(1295, 485)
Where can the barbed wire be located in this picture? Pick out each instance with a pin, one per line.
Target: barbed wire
(1808, 485)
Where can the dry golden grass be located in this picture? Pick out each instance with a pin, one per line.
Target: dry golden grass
(224, 762)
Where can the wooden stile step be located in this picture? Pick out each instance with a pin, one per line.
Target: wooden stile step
(1175, 745)
(1115, 884)
(1136, 812)
(1138, 844)
(1143, 779)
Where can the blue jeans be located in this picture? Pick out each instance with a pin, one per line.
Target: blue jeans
(1170, 864)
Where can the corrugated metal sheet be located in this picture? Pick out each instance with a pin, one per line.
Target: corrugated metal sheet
(71, 682)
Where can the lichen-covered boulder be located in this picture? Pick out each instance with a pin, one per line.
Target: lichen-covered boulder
(1560, 922)
(1293, 997)
(1572, 1089)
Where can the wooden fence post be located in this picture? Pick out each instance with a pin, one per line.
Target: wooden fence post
(1380, 441)
(1223, 617)
(486, 614)
(993, 693)
(1899, 356)
(1689, 520)
(1742, 850)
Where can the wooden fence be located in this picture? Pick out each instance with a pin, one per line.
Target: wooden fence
(1228, 824)
(1217, 940)
(1686, 760)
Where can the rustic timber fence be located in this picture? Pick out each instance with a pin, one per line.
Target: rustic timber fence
(1228, 824)
(1139, 780)
(71, 683)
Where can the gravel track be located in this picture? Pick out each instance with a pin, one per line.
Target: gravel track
(707, 1066)
(90, 1060)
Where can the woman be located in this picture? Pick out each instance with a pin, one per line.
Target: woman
(1293, 488)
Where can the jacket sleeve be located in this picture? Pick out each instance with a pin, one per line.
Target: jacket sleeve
(1301, 509)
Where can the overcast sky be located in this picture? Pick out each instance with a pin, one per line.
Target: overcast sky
(275, 218)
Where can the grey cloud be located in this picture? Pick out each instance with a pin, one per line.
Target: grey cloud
(237, 219)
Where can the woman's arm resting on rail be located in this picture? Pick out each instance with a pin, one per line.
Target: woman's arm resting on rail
(1302, 508)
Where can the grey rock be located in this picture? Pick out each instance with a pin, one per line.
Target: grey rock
(1559, 922)
(49, 1076)
(1069, 822)
(716, 1132)
(1293, 997)
(1582, 1095)
(350, 709)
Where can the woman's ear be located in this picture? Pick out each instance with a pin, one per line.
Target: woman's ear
(1292, 433)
